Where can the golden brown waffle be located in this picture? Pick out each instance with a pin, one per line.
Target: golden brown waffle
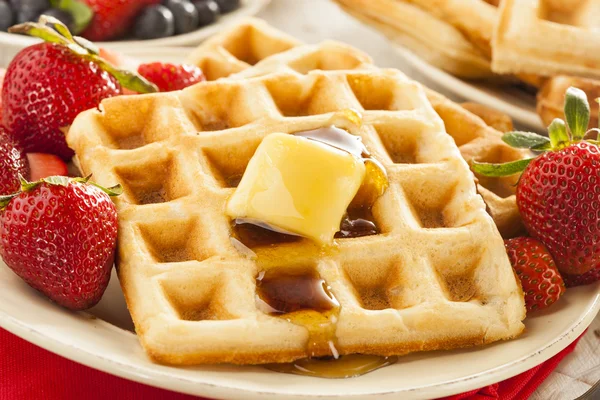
(433, 39)
(462, 125)
(548, 37)
(240, 47)
(436, 277)
(478, 141)
(473, 18)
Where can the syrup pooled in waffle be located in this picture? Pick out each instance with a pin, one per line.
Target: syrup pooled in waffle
(475, 139)
(548, 37)
(435, 276)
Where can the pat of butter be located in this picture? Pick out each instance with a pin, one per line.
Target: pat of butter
(298, 185)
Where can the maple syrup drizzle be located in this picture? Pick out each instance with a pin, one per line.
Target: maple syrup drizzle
(348, 366)
(255, 234)
(300, 296)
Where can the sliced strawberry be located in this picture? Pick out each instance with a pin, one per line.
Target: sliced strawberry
(533, 264)
(45, 165)
(170, 77)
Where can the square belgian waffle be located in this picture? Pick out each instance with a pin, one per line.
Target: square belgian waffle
(436, 276)
(475, 139)
(548, 37)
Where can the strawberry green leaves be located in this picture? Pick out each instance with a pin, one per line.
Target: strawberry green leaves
(497, 170)
(52, 30)
(560, 135)
(577, 112)
(64, 181)
(81, 13)
(526, 140)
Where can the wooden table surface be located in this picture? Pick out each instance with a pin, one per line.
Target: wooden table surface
(316, 20)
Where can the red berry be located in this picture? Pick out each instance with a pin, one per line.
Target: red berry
(45, 165)
(170, 77)
(559, 199)
(61, 240)
(2, 74)
(533, 264)
(12, 163)
(45, 88)
(585, 279)
(112, 18)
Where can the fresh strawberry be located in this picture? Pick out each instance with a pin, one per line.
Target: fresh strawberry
(12, 164)
(48, 84)
(558, 194)
(112, 18)
(2, 74)
(533, 264)
(45, 165)
(585, 279)
(59, 236)
(170, 77)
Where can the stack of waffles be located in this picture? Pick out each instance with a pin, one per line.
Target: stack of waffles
(434, 276)
(547, 45)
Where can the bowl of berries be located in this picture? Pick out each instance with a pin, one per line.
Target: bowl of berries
(125, 23)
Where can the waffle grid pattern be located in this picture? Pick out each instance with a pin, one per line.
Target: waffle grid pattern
(475, 139)
(436, 276)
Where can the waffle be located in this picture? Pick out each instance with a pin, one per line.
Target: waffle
(475, 19)
(551, 97)
(240, 47)
(548, 37)
(463, 126)
(436, 277)
(433, 39)
(478, 141)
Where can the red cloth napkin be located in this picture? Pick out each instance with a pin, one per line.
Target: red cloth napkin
(30, 372)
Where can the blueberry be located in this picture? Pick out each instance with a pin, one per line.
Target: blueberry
(61, 15)
(186, 15)
(28, 10)
(6, 16)
(208, 11)
(154, 22)
(228, 5)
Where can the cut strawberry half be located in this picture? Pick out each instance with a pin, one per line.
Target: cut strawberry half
(45, 165)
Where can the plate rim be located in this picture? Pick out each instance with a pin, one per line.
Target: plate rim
(152, 377)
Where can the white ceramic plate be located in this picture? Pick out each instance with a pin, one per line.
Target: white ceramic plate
(11, 44)
(512, 101)
(103, 339)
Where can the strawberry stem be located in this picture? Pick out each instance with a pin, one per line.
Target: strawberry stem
(52, 30)
(559, 137)
(27, 186)
(577, 112)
